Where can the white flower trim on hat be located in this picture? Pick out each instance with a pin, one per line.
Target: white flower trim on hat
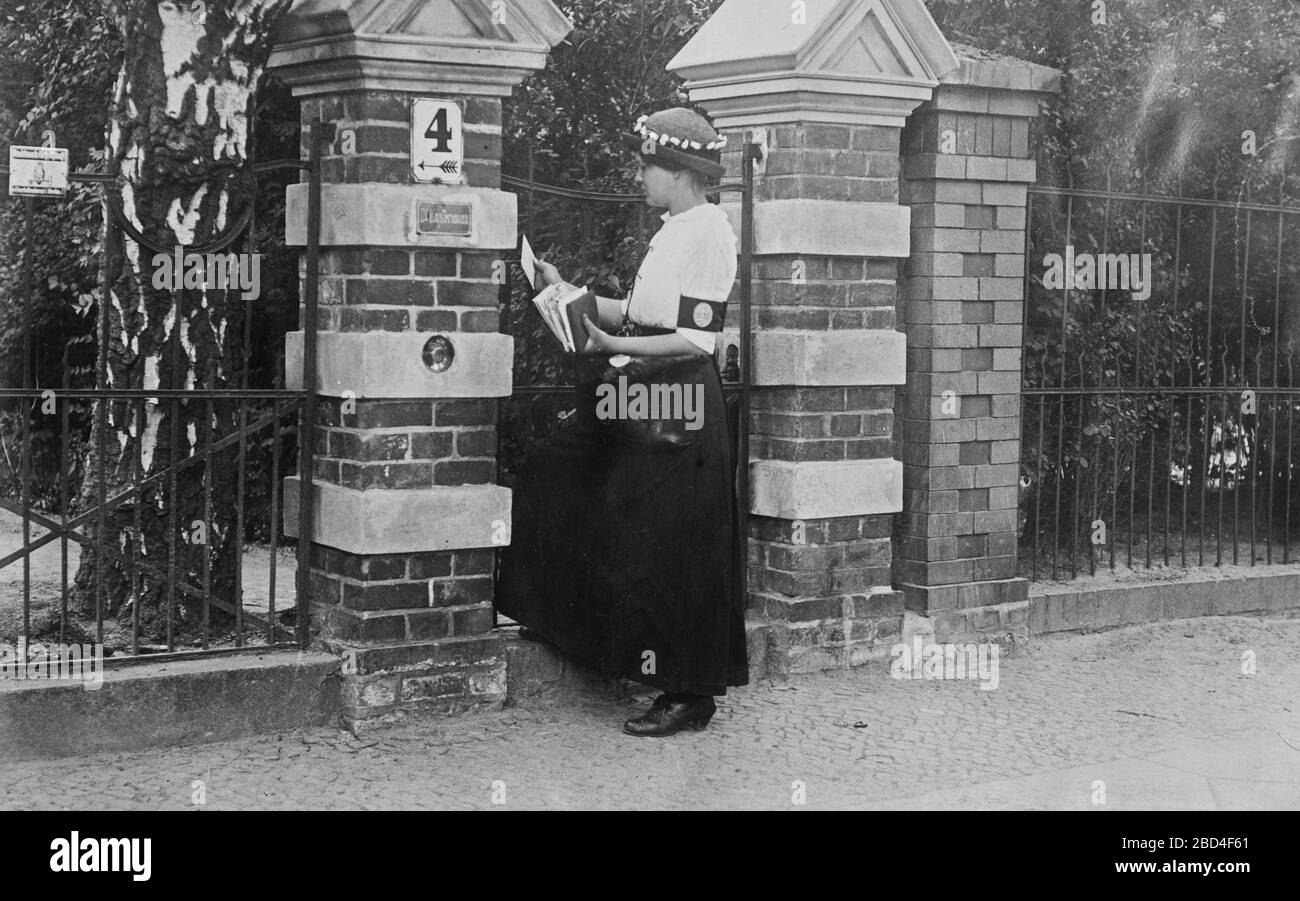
(641, 129)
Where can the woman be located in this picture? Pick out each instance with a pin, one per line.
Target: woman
(624, 549)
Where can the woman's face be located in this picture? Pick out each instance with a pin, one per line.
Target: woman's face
(658, 183)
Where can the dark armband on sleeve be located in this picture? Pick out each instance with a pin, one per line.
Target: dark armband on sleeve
(703, 315)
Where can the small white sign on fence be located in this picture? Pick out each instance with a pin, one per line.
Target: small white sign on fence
(38, 171)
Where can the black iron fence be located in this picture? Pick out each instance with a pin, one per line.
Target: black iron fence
(1159, 393)
(159, 550)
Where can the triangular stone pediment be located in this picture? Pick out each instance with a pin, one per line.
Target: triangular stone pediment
(490, 22)
(415, 46)
(867, 62)
(868, 49)
(450, 18)
(896, 40)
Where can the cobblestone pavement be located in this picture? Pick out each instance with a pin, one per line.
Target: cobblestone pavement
(1162, 714)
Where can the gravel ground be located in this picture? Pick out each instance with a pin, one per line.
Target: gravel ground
(1162, 714)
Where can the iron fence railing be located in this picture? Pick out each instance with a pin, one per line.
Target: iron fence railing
(243, 446)
(1158, 413)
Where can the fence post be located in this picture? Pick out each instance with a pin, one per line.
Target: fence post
(407, 514)
(825, 89)
(966, 163)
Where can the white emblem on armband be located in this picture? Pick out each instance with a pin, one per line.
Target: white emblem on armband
(702, 315)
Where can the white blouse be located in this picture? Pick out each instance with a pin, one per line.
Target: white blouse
(686, 276)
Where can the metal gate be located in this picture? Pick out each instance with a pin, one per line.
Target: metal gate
(266, 423)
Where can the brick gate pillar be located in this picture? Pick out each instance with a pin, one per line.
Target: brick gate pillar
(825, 87)
(407, 512)
(966, 164)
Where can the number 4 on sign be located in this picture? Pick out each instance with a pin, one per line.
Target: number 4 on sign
(437, 141)
(439, 133)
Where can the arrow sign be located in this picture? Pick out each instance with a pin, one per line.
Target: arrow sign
(437, 140)
(451, 167)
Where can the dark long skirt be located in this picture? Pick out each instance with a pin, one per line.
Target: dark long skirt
(624, 550)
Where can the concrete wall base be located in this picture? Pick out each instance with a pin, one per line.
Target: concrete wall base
(164, 704)
(1085, 607)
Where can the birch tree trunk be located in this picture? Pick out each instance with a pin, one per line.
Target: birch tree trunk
(179, 131)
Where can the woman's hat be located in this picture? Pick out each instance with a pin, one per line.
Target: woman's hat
(678, 139)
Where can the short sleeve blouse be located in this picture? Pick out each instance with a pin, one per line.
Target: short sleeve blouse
(687, 276)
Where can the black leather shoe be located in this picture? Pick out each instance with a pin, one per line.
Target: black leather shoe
(667, 716)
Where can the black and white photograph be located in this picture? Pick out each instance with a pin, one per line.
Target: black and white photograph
(651, 405)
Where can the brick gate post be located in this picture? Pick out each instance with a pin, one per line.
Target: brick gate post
(966, 164)
(407, 511)
(825, 87)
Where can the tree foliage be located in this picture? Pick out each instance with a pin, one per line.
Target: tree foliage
(55, 74)
(1158, 94)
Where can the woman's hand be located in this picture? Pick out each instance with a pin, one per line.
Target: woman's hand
(549, 273)
(597, 340)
